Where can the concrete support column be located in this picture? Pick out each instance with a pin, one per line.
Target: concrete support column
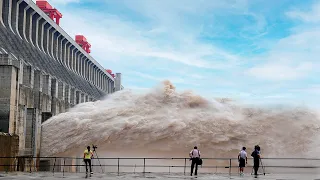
(38, 80)
(98, 83)
(39, 103)
(68, 51)
(107, 84)
(100, 79)
(61, 90)
(62, 50)
(54, 94)
(112, 87)
(8, 93)
(76, 61)
(91, 73)
(73, 96)
(67, 94)
(48, 42)
(81, 66)
(53, 45)
(1, 9)
(78, 97)
(72, 59)
(39, 23)
(86, 99)
(54, 88)
(97, 78)
(19, 19)
(38, 86)
(87, 70)
(103, 83)
(42, 36)
(25, 26)
(46, 96)
(84, 67)
(82, 100)
(94, 75)
(46, 88)
(31, 26)
(7, 12)
(64, 53)
(28, 76)
(57, 47)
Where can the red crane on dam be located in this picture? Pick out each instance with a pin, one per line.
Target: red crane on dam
(110, 72)
(53, 13)
(82, 41)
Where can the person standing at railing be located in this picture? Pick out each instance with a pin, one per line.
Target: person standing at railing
(195, 157)
(87, 156)
(256, 159)
(243, 159)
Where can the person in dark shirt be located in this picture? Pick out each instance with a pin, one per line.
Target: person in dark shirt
(256, 159)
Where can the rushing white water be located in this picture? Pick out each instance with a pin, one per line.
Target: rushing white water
(164, 122)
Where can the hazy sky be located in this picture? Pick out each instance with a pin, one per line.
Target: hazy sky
(256, 51)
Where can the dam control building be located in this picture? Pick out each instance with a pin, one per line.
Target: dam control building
(43, 71)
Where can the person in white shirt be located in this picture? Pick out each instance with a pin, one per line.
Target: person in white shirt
(195, 157)
(243, 159)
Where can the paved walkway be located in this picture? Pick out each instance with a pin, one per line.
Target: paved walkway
(131, 176)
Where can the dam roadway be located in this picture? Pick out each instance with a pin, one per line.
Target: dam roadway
(43, 72)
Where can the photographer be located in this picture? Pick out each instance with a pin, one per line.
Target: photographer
(256, 159)
(87, 156)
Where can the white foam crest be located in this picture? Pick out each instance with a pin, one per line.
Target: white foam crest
(164, 120)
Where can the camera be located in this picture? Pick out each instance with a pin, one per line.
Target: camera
(94, 147)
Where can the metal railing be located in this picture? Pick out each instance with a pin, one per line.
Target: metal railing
(155, 165)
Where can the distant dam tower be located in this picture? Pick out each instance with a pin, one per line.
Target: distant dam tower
(43, 71)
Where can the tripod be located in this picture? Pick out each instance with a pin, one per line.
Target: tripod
(94, 151)
(264, 173)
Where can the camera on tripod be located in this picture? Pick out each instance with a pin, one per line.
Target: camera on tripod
(94, 147)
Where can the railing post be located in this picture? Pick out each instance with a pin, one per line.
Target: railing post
(30, 163)
(18, 165)
(144, 165)
(230, 168)
(185, 165)
(64, 163)
(54, 165)
(118, 165)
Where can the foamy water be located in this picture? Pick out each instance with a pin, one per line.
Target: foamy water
(164, 122)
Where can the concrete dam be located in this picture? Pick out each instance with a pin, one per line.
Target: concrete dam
(43, 71)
